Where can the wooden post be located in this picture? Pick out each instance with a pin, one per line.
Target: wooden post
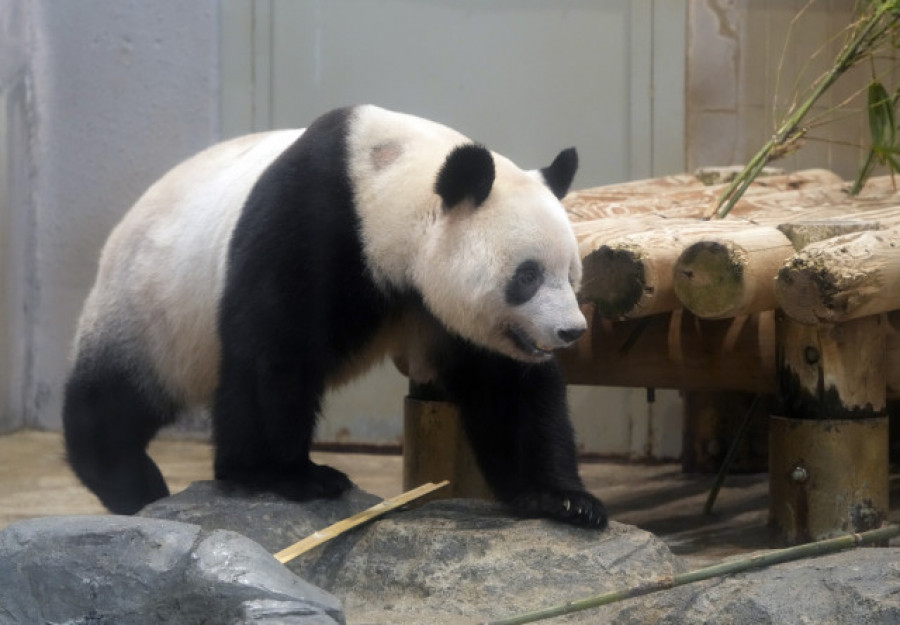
(828, 457)
(711, 422)
(436, 448)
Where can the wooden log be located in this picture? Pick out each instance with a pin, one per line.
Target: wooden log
(630, 275)
(681, 196)
(843, 278)
(731, 273)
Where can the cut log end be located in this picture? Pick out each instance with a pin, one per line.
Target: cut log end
(809, 293)
(615, 281)
(709, 279)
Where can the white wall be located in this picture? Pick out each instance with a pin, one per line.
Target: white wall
(118, 91)
(16, 228)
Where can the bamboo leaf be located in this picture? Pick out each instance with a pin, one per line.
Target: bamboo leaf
(881, 115)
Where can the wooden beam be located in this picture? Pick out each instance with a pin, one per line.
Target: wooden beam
(676, 350)
(681, 351)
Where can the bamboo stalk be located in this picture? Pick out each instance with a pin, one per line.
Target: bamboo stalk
(788, 136)
(729, 457)
(726, 568)
(332, 531)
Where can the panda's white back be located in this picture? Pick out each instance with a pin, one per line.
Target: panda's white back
(162, 269)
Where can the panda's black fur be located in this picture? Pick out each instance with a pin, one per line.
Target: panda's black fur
(299, 302)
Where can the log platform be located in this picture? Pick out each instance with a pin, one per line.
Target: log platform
(796, 294)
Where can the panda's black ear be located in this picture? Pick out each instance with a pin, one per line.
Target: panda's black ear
(560, 173)
(468, 172)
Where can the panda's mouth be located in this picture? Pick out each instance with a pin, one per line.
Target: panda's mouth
(525, 343)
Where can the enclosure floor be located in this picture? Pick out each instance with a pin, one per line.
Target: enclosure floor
(35, 481)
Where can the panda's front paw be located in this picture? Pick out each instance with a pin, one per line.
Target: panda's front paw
(571, 506)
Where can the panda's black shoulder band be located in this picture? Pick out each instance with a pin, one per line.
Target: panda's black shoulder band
(468, 172)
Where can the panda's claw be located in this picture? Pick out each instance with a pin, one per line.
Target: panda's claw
(575, 507)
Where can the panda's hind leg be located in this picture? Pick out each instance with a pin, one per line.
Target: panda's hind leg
(110, 414)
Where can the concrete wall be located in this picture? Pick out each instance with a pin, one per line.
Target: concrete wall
(741, 76)
(16, 224)
(117, 92)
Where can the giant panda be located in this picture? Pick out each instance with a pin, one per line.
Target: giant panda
(269, 268)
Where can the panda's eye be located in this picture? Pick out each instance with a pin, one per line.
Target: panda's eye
(528, 276)
(525, 282)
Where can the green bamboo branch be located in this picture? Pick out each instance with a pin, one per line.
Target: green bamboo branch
(779, 556)
(868, 34)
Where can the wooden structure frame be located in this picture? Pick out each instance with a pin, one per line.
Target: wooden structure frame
(795, 293)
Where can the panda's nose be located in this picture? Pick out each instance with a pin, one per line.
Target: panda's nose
(571, 335)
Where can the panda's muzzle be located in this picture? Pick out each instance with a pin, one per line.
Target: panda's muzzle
(526, 344)
(529, 346)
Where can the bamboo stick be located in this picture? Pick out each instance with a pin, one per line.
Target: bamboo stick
(726, 568)
(332, 531)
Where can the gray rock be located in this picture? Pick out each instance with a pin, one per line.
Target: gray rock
(268, 519)
(467, 561)
(104, 570)
(856, 587)
(448, 560)
(459, 561)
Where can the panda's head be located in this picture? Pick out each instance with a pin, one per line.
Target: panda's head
(500, 265)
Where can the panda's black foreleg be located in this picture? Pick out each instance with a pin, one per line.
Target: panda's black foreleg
(263, 421)
(109, 418)
(516, 417)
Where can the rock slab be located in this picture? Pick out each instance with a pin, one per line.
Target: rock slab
(101, 570)
(854, 587)
(442, 562)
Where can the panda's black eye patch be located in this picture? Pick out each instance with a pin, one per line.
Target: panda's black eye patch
(525, 283)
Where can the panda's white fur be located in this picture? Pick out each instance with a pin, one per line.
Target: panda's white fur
(161, 271)
(452, 259)
(151, 329)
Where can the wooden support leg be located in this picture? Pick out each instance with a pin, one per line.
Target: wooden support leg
(436, 448)
(828, 466)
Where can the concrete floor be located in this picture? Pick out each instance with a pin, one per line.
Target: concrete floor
(35, 481)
